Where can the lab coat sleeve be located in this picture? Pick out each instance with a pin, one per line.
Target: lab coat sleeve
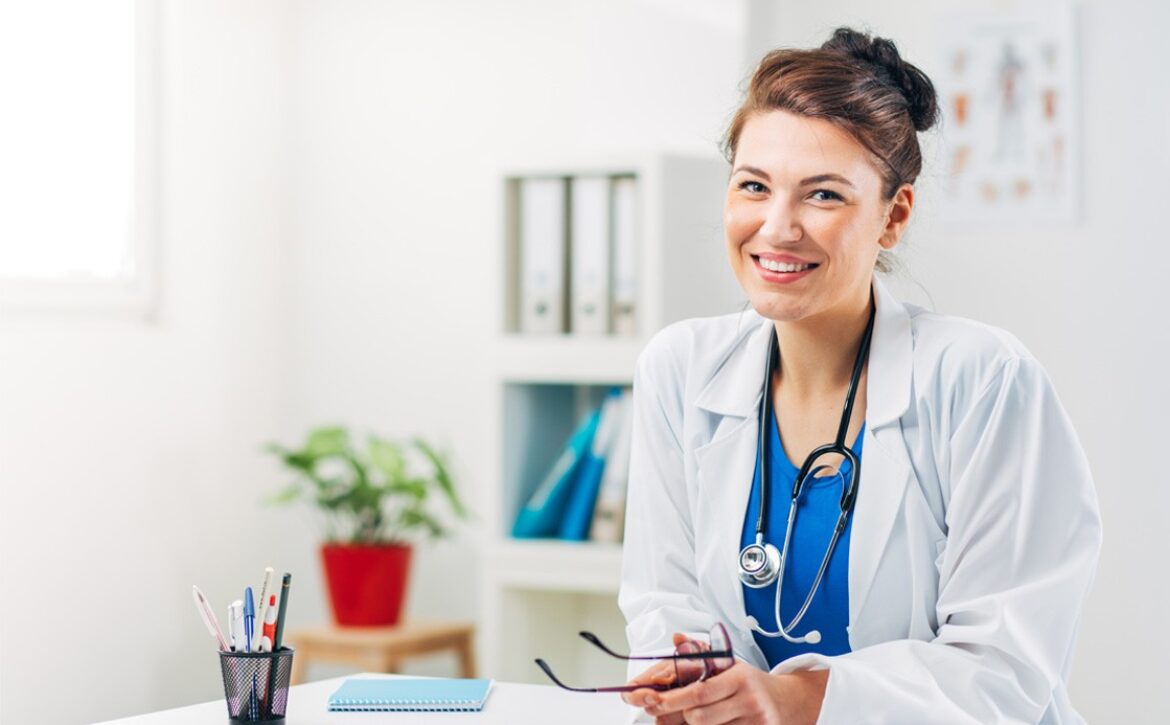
(1023, 538)
(659, 594)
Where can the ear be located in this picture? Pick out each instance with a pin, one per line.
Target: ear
(897, 216)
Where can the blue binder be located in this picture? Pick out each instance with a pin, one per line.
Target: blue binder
(542, 515)
(579, 511)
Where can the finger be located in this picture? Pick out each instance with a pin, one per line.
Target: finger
(724, 711)
(659, 673)
(698, 694)
(679, 639)
(674, 718)
(654, 673)
(644, 697)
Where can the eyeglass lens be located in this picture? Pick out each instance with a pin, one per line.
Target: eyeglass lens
(693, 670)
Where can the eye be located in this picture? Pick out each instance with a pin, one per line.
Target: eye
(749, 182)
(832, 195)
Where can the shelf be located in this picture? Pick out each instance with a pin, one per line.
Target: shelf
(552, 565)
(536, 593)
(577, 360)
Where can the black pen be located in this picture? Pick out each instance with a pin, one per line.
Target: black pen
(283, 607)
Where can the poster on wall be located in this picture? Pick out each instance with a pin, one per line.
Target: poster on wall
(1008, 90)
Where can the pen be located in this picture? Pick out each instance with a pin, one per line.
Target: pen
(268, 633)
(284, 585)
(262, 602)
(208, 616)
(236, 625)
(249, 619)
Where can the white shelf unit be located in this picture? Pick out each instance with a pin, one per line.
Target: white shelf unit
(537, 594)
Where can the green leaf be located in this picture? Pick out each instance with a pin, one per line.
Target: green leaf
(327, 441)
(386, 456)
(412, 518)
(442, 477)
(291, 493)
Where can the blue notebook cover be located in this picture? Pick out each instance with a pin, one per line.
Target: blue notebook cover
(427, 694)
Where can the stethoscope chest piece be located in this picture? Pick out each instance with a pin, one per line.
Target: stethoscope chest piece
(759, 565)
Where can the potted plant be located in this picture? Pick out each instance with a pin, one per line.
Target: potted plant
(375, 505)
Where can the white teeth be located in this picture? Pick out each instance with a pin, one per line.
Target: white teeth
(782, 267)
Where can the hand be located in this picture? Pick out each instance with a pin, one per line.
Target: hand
(659, 673)
(742, 694)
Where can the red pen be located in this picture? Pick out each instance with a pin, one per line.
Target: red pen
(268, 634)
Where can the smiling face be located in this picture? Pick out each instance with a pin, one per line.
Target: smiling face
(804, 192)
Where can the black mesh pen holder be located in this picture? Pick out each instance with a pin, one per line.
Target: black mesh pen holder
(255, 684)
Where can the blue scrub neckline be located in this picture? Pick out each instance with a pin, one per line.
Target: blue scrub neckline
(781, 456)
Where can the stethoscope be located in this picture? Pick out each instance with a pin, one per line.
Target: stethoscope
(760, 564)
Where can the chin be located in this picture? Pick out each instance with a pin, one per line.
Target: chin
(780, 310)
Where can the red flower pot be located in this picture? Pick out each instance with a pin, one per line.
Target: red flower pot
(367, 583)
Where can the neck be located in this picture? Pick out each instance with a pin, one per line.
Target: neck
(817, 354)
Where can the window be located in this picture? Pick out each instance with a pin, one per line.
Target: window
(77, 182)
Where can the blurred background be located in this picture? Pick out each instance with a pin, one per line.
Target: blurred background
(322, 232)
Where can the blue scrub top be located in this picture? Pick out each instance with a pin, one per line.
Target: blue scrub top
(816, 515)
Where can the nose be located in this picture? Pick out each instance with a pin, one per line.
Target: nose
(781, 224)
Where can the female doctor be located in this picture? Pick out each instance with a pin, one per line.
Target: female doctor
(886, 508)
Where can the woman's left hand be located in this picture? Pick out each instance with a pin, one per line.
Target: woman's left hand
(744, 694)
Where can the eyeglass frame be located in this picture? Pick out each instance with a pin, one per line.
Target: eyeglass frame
(708, 670)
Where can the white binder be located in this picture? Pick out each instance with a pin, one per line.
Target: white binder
(542, 256)
(625, 256)
(589, 245)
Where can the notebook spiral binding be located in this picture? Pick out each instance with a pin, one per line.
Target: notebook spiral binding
(404, 705)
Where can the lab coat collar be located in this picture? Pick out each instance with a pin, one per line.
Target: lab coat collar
(739, 382)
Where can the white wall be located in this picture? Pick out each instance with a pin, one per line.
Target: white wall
(403, 113)
(329, 239)
(1089, 300)
(129, 448)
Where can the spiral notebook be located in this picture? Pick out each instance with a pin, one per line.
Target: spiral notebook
(410, 694)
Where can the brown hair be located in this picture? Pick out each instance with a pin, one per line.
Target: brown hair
(858, 83)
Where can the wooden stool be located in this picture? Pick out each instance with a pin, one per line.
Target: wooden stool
(381, 649)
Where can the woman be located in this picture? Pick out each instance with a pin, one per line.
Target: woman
(968, 531)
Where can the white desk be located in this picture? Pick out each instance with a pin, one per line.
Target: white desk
(508, 702)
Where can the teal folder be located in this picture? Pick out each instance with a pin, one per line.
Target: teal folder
(541, 516)
(582, 497)
(410, 694)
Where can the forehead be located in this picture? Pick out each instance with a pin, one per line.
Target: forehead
(790, 146)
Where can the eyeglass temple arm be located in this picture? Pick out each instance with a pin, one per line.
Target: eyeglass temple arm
(620, 688)
(592, 639)
(708, 654)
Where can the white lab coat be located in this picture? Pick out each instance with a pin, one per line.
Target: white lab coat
(975, 533)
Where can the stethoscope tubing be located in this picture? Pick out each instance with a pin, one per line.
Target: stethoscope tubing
(848, 491)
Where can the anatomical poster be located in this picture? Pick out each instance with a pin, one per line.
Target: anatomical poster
(1007, 87)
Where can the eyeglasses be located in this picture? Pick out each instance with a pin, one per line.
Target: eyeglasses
(693, 661)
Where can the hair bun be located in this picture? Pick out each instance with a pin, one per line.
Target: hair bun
(883, 56)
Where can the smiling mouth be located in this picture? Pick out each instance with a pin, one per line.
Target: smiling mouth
(783, 267)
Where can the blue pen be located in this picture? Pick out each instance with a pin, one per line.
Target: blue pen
(249, 619)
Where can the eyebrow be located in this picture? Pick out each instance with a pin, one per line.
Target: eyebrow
(803, 182)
